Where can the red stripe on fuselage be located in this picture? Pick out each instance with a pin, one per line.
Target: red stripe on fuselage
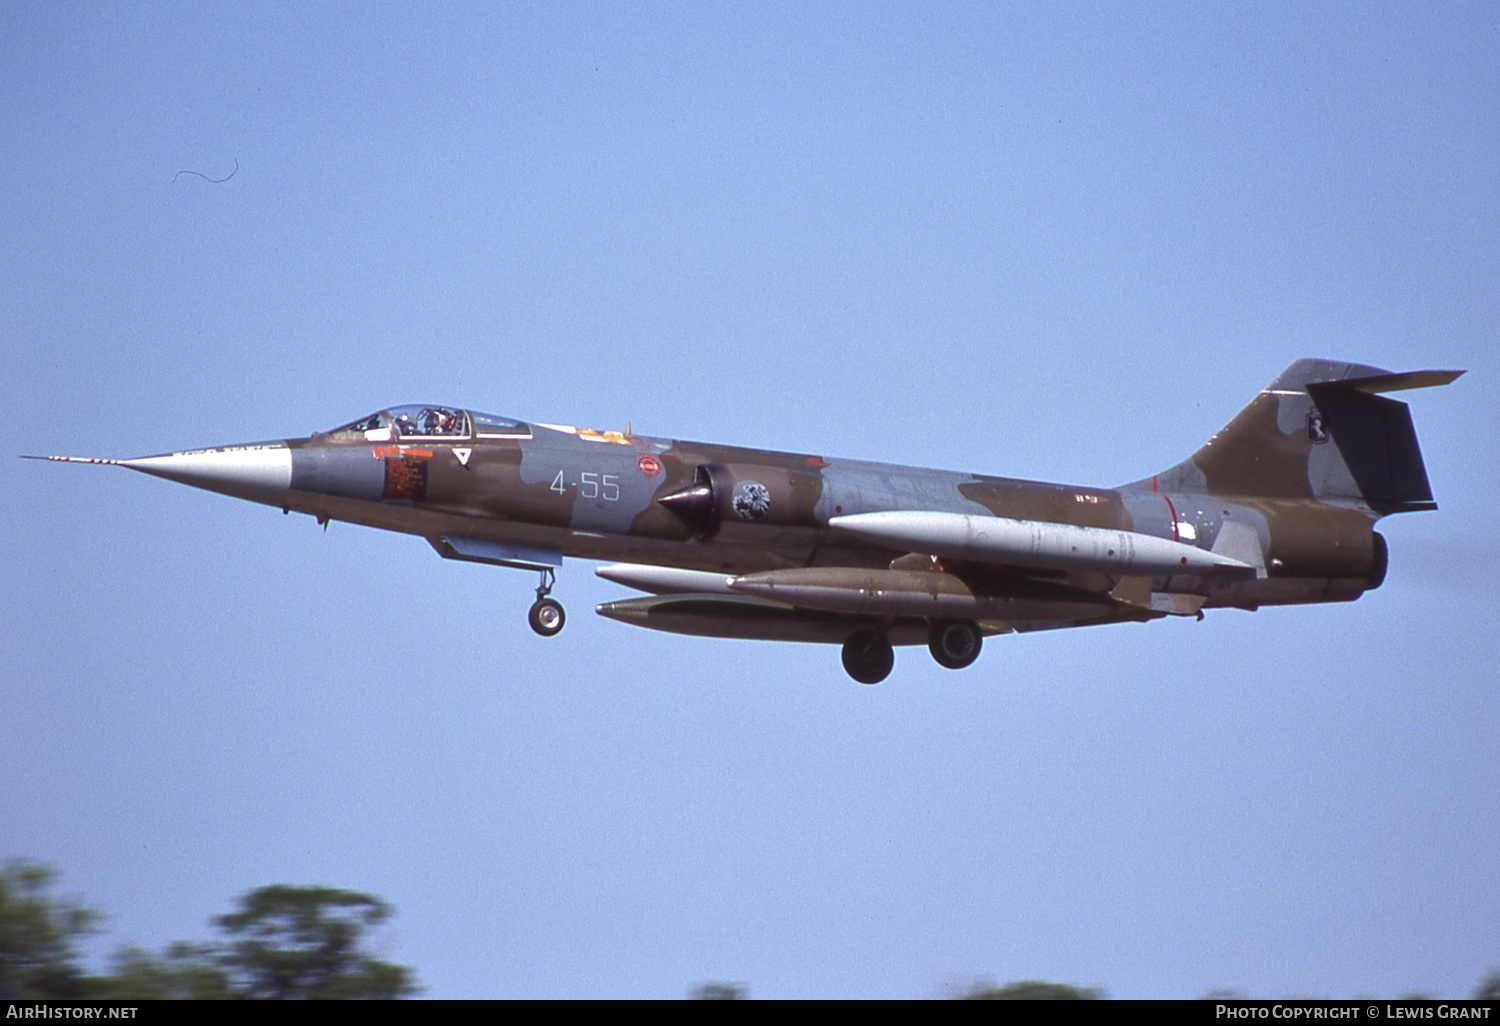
(1170, 508)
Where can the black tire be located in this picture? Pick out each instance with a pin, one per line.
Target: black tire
(868, 657)
(546, 617)
(955, 643)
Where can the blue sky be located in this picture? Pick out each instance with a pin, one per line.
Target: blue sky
(1063, 242)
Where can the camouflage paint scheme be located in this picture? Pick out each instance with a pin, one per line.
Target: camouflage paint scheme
(1286, 497)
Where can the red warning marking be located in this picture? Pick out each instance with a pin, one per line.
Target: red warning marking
(648, 465)
(1171, 511)
(817, 461)
(396, 450)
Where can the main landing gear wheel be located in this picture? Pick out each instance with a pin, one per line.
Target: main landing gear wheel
(954, 643)
(868, 657)
(546, 615)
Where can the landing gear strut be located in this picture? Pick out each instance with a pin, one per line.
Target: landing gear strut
(954, 643)
(546, 616)
(868, 657)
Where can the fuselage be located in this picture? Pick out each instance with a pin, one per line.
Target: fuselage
(598, 495)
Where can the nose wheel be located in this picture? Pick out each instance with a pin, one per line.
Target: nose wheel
(546, 615)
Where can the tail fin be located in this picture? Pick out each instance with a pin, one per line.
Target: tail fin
(1319, 431)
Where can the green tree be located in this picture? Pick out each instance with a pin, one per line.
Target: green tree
(184, 972)
(37, 937)
(1034, 990)
(719, 991)
(305, 942)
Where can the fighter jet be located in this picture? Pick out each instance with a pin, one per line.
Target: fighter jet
(1277, 508)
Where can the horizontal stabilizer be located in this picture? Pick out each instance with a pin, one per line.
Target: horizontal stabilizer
(1399, 382)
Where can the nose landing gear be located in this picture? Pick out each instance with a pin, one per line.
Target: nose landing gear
(546, 615)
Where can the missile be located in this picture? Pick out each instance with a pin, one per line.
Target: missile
(1034, 543)
(663, 580)
(925, 593)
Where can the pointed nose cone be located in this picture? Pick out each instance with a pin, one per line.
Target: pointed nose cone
(693, 505)
(622, 611)
(261, 472)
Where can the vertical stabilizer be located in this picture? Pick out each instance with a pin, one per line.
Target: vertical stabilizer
(1320, 431)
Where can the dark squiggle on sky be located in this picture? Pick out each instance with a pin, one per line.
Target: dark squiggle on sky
(216, 181)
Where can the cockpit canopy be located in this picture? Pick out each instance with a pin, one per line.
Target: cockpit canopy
(420, 420)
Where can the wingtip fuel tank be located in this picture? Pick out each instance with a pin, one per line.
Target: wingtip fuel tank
(1034, 543)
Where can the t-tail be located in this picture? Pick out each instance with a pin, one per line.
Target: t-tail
(1322, 432)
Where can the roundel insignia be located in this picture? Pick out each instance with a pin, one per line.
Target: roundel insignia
(648, 465)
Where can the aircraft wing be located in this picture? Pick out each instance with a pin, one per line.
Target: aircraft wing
(826, 604)
(752, 619)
